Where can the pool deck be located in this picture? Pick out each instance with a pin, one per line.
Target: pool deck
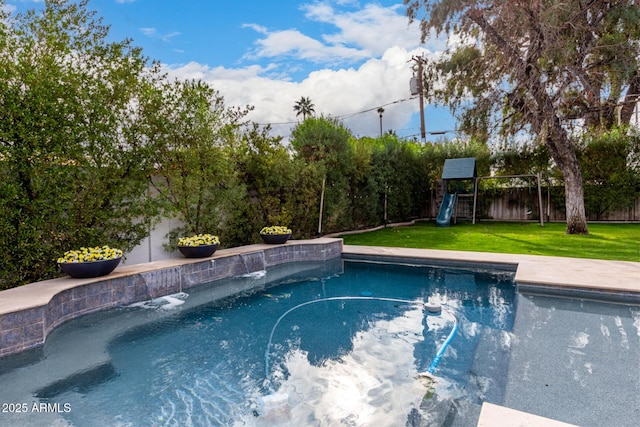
(22, 309)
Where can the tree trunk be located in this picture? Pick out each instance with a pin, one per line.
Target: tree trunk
(574, 201)
(565, 157)
(631, 100)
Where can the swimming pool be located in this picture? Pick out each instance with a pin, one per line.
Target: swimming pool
(353, 356)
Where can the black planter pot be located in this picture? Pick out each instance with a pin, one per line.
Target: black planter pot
(275, 238)
(83, 270)
(201, 251)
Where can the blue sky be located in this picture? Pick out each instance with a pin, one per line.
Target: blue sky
(350, 57)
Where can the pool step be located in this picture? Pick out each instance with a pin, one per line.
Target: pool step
(80, 381)
(443, 411)
(488, 374)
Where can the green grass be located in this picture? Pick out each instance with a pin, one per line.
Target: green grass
(605, 241)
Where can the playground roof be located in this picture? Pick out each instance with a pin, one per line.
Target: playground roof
(464, 168)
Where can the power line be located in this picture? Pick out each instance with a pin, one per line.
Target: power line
(419, 135)
(345, 116)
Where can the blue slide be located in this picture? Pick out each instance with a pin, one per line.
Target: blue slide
(446, 210)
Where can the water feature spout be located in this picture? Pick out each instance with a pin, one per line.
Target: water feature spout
(252, 262)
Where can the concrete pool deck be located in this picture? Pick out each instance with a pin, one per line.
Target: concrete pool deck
(29, 313)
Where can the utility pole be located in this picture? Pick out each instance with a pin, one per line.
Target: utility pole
(420, 92)
(380, 111)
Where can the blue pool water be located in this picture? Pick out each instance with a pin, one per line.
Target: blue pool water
(341, 343)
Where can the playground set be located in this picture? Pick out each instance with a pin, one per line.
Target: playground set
(456, 202)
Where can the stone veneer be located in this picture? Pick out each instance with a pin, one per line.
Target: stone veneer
(29, 313)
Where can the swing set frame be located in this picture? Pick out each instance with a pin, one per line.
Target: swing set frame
(536, 176)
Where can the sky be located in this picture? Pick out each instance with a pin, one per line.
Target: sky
(350, 57)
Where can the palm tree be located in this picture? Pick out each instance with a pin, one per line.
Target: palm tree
(304, 106)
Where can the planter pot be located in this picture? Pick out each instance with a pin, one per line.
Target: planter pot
(275, 238)
(82, 270)
(201, 251)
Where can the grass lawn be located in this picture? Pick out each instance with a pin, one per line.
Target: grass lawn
(605, 241)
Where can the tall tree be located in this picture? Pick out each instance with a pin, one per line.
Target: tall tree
(281, 189)
(324, 144)
(190, 130)
(72, 163)
(304, 106)
(538, 66)
(264, 165)
(611, 171)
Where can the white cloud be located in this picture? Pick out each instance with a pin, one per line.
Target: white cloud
(338, 93)
(375, 42)
(374, 29)
(258, 28)
(148, 31)
(153, 33)
(8, 8)
(294, 44)
(361, 34)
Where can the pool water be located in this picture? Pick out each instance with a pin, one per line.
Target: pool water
(344, 345)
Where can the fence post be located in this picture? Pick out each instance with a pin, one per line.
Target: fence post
(540, 199)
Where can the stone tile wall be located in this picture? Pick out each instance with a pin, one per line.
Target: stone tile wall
(26, 328)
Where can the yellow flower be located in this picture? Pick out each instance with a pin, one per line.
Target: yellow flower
(275, 229)
(199, 240)
(97, 253)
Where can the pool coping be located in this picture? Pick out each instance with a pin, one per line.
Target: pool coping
(29, 313)
(533, 273)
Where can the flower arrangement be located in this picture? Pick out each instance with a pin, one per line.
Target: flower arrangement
(275, 229)
(199, 240)
(275, 234)
(98, 253)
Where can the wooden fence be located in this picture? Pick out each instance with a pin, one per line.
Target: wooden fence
(521, 204)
